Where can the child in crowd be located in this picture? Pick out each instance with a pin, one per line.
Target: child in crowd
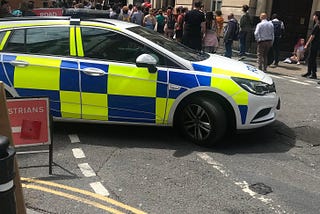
(210, 40)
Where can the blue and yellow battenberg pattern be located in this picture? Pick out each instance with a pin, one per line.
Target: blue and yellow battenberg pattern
(125, 93)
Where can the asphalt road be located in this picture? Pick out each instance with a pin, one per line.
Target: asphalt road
(140, 169)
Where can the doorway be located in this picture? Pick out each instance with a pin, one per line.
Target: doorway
(295, 14)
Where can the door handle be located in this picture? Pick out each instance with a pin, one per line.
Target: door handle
(94, 72)
(19, 63)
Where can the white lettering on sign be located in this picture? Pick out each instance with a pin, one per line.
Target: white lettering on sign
(26, 110)
(48, 14)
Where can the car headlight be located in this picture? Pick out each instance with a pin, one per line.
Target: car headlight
(255, 87)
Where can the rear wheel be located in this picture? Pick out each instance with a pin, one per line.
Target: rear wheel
(202, 120)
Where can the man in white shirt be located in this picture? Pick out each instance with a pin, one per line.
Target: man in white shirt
(264, 35)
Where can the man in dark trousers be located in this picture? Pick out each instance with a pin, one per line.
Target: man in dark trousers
(194, 27)
(278, 32)
(229, 34)
(245, 29)
(264, 34)
(314, 40)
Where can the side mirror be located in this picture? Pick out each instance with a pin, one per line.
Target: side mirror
(147, 61)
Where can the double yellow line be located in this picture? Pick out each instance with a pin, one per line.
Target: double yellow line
(29, 184)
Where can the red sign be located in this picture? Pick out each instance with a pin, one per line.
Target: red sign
(29, 119)
(48, 11)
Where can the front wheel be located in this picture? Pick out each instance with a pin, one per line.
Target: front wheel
(202, 120)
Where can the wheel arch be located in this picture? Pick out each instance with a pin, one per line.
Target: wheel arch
(215, 95)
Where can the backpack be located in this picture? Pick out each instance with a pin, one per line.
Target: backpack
(236, 32)
(277, 28)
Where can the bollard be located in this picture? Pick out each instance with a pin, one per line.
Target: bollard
(7, 195)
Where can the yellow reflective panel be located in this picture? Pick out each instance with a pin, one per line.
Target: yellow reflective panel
(70, 104)
(233, 74)
(239, 95)
(169, 105)
(33, 23)
(94, 106)
(241, 98)
(226, 85)
(79, 42)
(161, 104)
(4, 40)
(73, 49)
(131, 81)
(41, 73)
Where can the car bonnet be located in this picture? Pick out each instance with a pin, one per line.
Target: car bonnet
(219, 65)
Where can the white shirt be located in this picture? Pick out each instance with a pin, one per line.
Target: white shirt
(264, 31)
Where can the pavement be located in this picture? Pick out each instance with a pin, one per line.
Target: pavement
(29, 211)
(287, 69)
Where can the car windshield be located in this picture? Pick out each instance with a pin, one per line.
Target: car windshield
(172, 46)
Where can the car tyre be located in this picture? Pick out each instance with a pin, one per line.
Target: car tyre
(202, 120)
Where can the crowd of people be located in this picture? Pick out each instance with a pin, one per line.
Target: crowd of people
(202, 30)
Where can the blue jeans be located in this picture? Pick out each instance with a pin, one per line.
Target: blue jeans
(242, 41)
(228, 47)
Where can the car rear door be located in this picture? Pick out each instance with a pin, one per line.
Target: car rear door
(38, 62)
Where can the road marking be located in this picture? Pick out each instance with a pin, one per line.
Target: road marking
(78, 153)
(277, 77)
(242, 184)
(74, 138)
(86, 170)
(289, 77)
(73, 197)
(310, 81)
(302, 83)
(84, 192)
(318, 86)
(99, 188)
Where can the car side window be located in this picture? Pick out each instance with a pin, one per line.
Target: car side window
(108, 45)
(42, 40)
(2, 35)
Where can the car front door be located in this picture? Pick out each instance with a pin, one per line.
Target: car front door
(113, 88)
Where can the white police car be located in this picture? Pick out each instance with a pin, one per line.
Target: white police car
(113, 71)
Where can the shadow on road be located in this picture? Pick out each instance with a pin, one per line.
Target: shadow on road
(275, 138)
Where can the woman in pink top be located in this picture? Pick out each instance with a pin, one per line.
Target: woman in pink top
(210, 40)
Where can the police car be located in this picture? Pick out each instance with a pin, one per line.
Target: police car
(110, 71)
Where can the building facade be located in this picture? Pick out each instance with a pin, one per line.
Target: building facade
(296, 14)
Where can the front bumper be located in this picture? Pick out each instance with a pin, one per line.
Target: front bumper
(262, 110)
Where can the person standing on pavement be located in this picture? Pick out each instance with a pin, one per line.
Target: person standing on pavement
(245, 29)
(149, 21)
(314, 41)
(160, 22)
(210, 41)
(278, 32)
(229, 35)
(264, 35)
(220, 21)
(194, 27)
(170, 22)
(179, 24)
(137, 15)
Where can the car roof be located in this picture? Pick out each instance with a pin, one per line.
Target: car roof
(115, 22)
